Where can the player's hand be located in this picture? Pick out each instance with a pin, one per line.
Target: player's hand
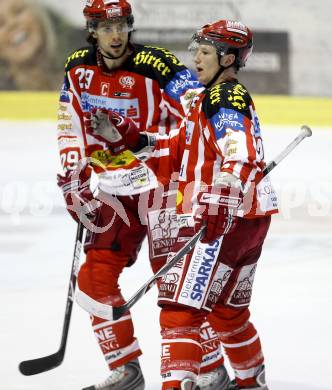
(108, 126)
(218, 210)
(77, 194)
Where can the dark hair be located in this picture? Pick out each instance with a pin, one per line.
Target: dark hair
(236, 52)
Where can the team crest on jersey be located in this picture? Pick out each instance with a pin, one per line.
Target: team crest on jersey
(127, 81)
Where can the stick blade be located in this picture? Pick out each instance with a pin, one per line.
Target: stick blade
(39, 365)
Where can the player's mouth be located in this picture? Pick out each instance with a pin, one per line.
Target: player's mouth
(199, 69)
(116, 46)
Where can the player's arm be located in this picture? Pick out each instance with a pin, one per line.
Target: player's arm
(180, 88)
(74, 181)
(175, 80)
(121, 133)
(70, 131)
(230, 118)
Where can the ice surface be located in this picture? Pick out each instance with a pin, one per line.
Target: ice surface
(292, 299)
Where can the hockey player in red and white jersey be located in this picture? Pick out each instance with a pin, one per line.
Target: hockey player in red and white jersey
(218, 153)
(145, 84)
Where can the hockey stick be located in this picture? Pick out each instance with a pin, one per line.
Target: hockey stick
(114, 313)
(36, 366)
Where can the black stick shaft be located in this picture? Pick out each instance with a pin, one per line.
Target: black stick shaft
(36, 366)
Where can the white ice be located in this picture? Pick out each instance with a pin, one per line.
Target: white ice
(292, 301)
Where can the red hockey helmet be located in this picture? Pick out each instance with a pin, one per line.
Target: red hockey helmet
(226, 36)
(99, 10)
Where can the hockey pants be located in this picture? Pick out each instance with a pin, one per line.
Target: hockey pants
(181, 350)
(98, 278)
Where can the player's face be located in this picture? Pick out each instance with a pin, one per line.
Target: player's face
(206, 63)
(21, 33)
(112, 37)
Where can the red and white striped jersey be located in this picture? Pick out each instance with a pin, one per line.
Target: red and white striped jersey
(220, 134)
(147, 88)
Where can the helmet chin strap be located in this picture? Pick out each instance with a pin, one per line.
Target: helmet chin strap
(110, 57)
(219, 72)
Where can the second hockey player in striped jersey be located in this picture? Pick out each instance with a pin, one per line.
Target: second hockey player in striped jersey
(218, 154)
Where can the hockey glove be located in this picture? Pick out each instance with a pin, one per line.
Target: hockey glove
(218, 211)
(77, 194)
(117, 131)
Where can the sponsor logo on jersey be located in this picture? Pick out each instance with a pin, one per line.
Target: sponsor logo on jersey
(125, 107)
(215, 94)
(205, 271)
(189, 131)
(255, 121)
(66, 142)
(132, 112)
(107, 338)
(200, 270)
(63, 107)
(64, 95)
(164, 230)
(168, 285)
(181, 82)
(241, 294)
(64, 115)
(167, 54)
(226, 119)
(121, 94)
(228, 201)
(127, 81)
(165, 351)
(170, 282)
(77, 54)
(209, 342)
(157, 63)
(64, 126)
(236, 97)
(105, 159)
(220, 279)
(139, 177)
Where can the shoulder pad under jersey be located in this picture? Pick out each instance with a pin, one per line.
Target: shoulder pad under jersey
(230, 95)
(156, 63)
(83, 56)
